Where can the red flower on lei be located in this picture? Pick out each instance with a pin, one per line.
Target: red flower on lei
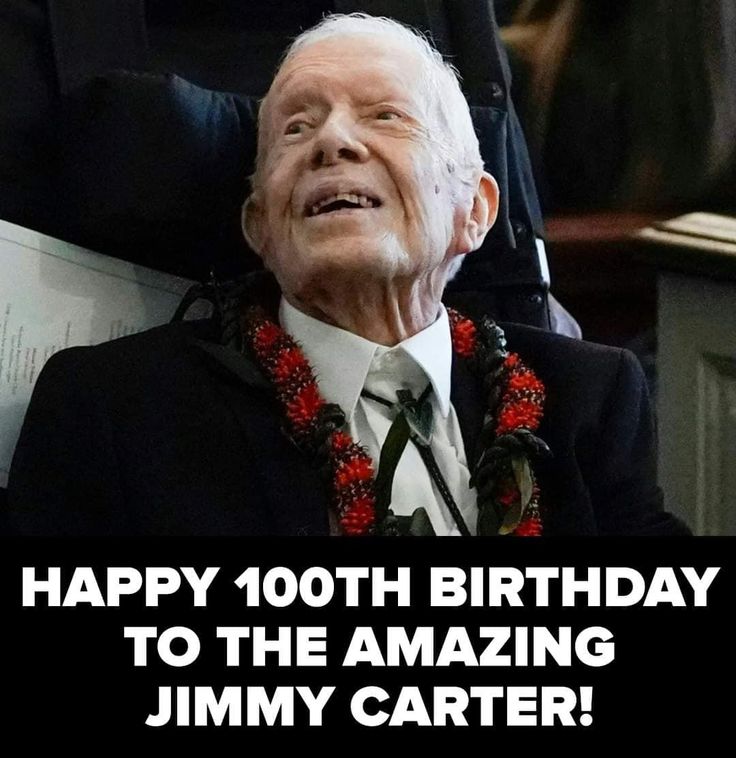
(353, 488)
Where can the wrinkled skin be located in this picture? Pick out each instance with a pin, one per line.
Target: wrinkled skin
(353, 115)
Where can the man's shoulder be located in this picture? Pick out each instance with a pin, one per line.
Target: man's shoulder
(560, 351)
(572, 367)
(556, 346)
(158, 344)
(158, 362)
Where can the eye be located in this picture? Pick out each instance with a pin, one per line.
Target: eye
(387, 116)
(296, 127)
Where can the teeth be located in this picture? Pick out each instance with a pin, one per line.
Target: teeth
(362, 200)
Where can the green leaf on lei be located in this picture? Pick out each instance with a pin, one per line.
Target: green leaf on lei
(420, 525)
(391, 452)
(416, 525)
(524, 483)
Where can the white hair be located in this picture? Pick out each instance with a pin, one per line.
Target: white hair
(457, 141)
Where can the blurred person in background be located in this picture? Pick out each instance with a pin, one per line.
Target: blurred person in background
(628, 105)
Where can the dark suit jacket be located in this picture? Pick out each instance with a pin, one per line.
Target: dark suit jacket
(167, 432)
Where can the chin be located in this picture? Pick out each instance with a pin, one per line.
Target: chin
(349, 257)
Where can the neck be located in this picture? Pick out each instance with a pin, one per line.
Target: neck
(383, 312)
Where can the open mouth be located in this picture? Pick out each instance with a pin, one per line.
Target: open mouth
(340, 202)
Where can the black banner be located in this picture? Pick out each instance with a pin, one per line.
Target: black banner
(167, 640)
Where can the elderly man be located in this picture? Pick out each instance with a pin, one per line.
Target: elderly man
(355, 403)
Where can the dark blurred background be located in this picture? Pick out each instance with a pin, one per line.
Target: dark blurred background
(629, 110)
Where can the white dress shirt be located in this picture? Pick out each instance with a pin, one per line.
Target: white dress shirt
(345, 364)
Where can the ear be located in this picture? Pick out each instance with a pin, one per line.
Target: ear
(472, 221)
(484, 211)
(252, 223)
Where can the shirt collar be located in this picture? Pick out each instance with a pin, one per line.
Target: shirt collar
(341, 360)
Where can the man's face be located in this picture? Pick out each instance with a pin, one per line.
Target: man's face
(355, 180)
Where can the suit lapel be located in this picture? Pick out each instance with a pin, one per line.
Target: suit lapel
(290, 483)
(468, 401)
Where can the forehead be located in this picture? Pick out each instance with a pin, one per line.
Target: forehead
(361, 67)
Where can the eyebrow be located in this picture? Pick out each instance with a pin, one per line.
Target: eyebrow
(298, 96)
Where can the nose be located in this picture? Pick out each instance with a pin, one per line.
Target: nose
(338, 140)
